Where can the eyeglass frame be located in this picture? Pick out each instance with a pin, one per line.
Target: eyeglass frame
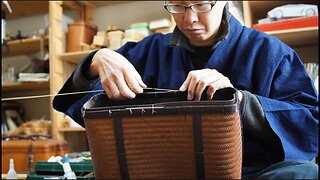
(185, 7)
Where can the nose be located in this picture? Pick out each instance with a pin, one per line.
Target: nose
(190, 16)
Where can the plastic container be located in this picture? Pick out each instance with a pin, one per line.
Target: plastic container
(161, 135)
(80, 32)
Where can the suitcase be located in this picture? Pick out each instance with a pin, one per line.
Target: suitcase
(26, 151)
(161, 135)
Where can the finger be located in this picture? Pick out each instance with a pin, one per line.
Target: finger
(200, 79)
(124, 91)
(202, 84)
(132, 82)
(192, 85)
(220, 83)
(110, 88)
(108, 82)
(185, 84)
(139, 79)
(210, 91)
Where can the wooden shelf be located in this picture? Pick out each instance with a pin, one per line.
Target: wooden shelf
(74, 57)
(24, 86)
(256, 10)
(42, 7)
(72, 129)
(25, 46)
(298, 37)
(259, 9)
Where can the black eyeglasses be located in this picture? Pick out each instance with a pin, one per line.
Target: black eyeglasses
(196, 8)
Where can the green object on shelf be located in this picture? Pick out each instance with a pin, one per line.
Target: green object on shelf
(42, 167)
(47, 177)
(53, 170)
(139, 26)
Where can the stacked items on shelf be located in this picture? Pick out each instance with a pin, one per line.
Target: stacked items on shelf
(161, 26)
(115, 39)
(142, 28)
(136, 32)
(100, 39)
(33, 77)
(289, 16)
(132, 35)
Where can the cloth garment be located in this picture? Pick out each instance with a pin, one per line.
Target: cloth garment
(292, 169)
(254, 62)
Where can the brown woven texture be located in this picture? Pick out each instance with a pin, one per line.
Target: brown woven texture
(18, 150)
(162, 146)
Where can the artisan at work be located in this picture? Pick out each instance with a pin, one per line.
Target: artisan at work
(160, 89)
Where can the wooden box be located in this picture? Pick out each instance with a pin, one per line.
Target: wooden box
(161, 135)
(26, 152)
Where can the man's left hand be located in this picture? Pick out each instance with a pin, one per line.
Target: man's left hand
(198, 80)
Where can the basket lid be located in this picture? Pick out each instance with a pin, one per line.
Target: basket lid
(224, 100)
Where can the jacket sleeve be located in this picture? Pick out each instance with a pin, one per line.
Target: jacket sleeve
(77, 82)
(255, 124)
(291, 108)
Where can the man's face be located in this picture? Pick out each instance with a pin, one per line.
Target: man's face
(200, 28)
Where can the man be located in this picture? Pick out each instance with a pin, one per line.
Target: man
(210, 49)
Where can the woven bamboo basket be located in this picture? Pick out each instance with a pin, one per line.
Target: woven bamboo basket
(160, 135)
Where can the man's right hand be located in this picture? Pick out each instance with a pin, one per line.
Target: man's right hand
(118, 76)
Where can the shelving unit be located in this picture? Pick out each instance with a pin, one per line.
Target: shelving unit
(24, 86)
(71, 129)
(255, 10)
(298, 37)
(26, 46)
(73, 57)
(63, 63)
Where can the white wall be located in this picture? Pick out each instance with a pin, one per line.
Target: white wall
(122, 15)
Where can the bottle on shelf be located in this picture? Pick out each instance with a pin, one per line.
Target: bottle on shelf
(12, 174)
